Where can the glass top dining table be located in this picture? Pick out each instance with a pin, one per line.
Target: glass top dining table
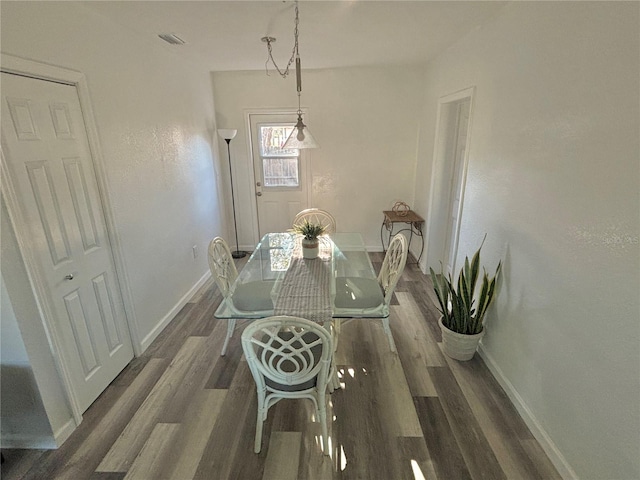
(348, 280)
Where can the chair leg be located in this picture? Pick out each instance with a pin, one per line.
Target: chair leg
(322, 408)
(258, 442)
(231, 326)
(387, 329)
(335, 331)
(261, 417)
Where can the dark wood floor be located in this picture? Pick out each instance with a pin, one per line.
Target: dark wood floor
(181, 411)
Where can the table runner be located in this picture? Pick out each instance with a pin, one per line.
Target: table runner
(305, 290)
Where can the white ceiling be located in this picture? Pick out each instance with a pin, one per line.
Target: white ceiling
(225, 35)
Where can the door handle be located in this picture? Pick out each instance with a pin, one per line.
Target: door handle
(69, 277)
(259, 194)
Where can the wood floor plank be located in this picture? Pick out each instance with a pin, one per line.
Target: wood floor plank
(194, 433)
(313, 463)
(393, 391)
(414, 322)
(444, 450)
(203, 290)
(292, 415)
(203, 321)
(171, 339)
(420, 348)
(282, 461)
(477, 453)
(417, 463)
(150, 461)
(502, 438)
(420, 293)
(218, 454)
(18, 461)
(107, 476)
(232, 434)
(192, 380)
(130, 442)
(543, 466)
(130, 372)
(80, 455)
(225, 367)
(359, 415)
(245, 463)
(478, 372)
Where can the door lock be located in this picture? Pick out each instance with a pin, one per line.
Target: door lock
(258, 184)
(69, 277)
(259, 194)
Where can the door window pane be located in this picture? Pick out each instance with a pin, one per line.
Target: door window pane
(280, 172)
(272, 137)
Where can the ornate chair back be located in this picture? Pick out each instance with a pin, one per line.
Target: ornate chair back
(317, 216)
(289, 357)
(221, 264)
(393, 265)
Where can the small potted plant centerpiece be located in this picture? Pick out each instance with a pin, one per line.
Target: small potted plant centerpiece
(311, 232)
(463, 312)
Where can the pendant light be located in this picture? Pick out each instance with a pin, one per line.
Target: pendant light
(300, 137)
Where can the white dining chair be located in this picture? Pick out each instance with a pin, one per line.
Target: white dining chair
(289, 357)
(364, 293)
(317, 216)
(252, 297)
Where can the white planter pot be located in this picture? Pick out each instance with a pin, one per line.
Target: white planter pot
(310, 248)
(457, 345)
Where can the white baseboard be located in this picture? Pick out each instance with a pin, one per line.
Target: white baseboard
(28, 441)
(64, 432)
(45, 440)
(554, 454)
(151, 336)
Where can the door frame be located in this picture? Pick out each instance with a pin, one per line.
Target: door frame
(41, 71)
(304, 157)
(435, 233)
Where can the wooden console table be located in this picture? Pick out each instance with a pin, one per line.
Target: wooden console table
(413, 223)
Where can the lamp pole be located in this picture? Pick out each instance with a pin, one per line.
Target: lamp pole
(228, 136)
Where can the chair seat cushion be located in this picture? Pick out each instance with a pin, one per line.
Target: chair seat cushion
(253, 296)
(288, 366)
(356, 292)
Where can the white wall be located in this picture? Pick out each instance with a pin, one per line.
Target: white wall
(154, 113)
(365, 120)
(553, 180)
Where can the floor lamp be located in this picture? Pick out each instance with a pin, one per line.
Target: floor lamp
(228, 135)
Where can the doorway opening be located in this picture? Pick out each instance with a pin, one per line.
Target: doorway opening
(449, 172)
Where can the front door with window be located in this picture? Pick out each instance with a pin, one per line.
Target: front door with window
(280, 175)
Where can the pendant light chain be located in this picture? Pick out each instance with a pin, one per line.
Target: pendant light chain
(299, 137)
(294, 53)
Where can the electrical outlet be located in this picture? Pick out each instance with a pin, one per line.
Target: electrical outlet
(195, 251)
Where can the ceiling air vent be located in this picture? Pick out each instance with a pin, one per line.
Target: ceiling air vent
(172, 39)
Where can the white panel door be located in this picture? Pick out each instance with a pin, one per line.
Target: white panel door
(49, 161)
(281, 175)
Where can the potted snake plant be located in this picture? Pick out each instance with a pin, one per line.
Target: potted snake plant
(462, 310)
(310, 232)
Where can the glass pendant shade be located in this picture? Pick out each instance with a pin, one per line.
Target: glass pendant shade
(300, 137)
(227, 133)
